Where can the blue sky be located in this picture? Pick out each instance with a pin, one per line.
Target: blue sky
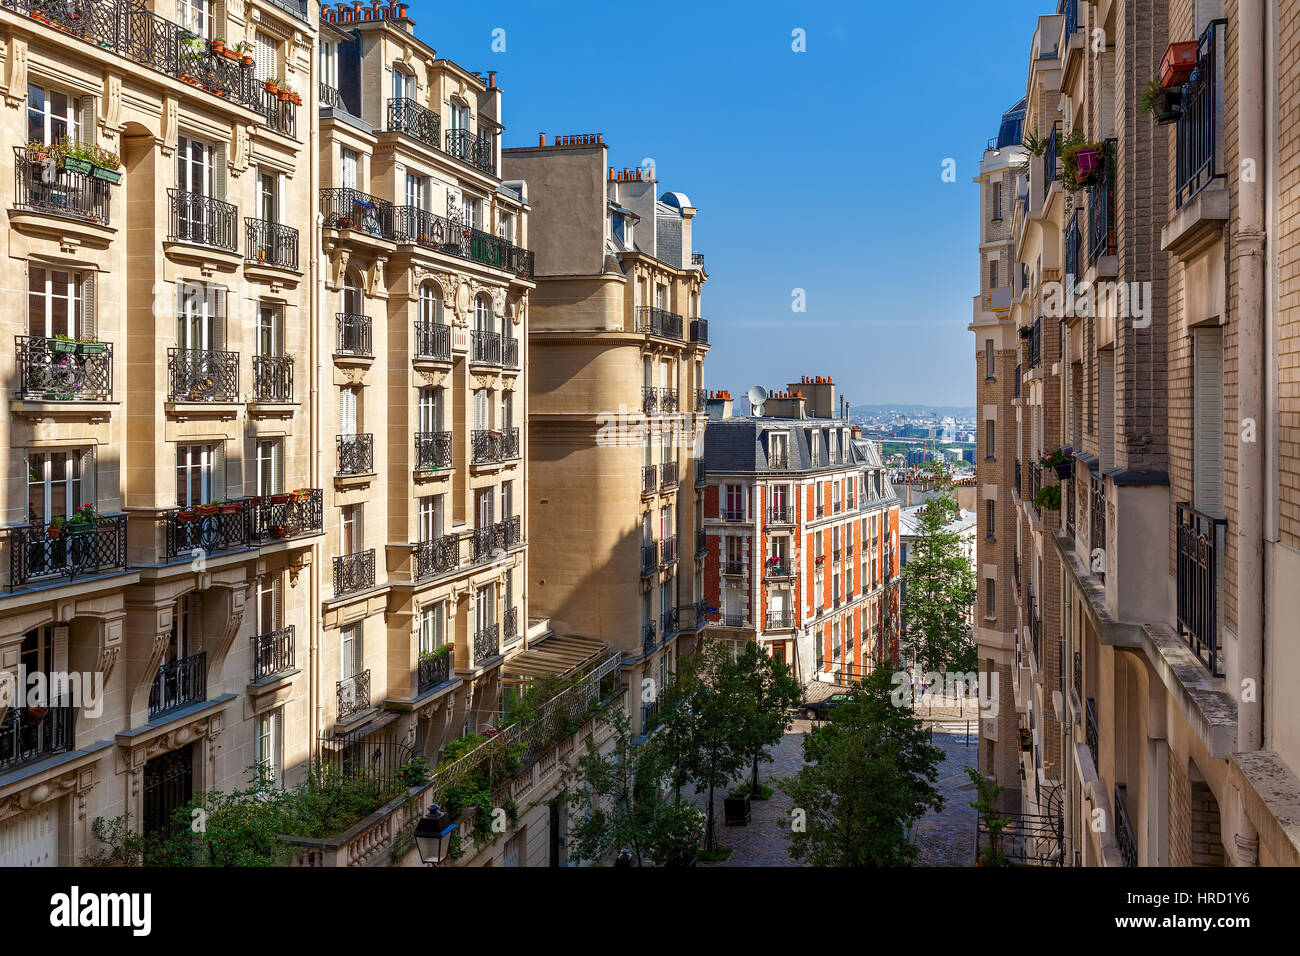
(818, 170)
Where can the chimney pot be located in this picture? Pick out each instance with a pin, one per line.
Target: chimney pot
(541, 139)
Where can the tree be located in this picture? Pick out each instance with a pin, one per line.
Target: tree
(769, 692)
(939, 584)
(986, 803)
(700, 719)
(867, 772)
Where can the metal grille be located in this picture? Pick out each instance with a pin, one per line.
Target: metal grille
(286, 515)
(273, 653)
(432, 450)
(1097, 513)
(661, 322)
(272, 378)
(280, 115)
(407, 116)
(270, 243)
(353, 694)
(202, 220)
(487, 643)
(42, 184)
(207, 529)
(354, 334)
(437, 556)
(37, 552)
(354, 572)
(487, 347)
(61, 370)
(345, 208)
(1197, 577)
(1199, 135)
(700, 331)
(432, 671)
(203, 375)
(1124, 835)
(432, 340)
(1101, 209)
(178, 683)
(356, 454)
(25, 735)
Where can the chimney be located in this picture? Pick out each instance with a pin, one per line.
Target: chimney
(541, 139)
(718, 405)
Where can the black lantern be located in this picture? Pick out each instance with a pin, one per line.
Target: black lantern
(431, 835)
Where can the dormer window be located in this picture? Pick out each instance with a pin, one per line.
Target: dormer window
(778, 450)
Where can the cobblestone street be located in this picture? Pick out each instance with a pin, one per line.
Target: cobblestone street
(947, 838)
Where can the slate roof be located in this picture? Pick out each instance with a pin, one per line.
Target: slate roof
(739, 445)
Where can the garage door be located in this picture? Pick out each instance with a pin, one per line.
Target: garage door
(31, 838)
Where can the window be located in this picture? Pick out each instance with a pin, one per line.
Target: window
(989, 440)
(196, 167)
(430, 303)
(778, 450)
(484, 320)
(993, 274)
(268, 196)
(485, 607)
(329, 63)
(990, 598)
(54, 302)
(988, 359)
(200, 316)
(266, 58)
(196, 17)
(506, 226)
(270, 466)
(348, 417)
(472, 212)
(430, 517)
(352, 657)
(351, 533)
(429, 404)
(1207, 424)
(735, 502)
(990, 520)
(200, 474)
(52, 115)
(507, 409)
(995, 202)
(417, 191)
(348, 162)
(507, 500)
(458, 115)
(269, 752)
(432, 627)
(485, 507)
(483, 408)
(404, 85)
(267, 594)
(270, 329)
(55, 484)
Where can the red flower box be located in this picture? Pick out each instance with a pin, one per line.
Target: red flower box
(1178, 63)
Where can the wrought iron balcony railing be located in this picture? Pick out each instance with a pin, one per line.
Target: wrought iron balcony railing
(649, 636)
(491, 446)
(347, 208)
(478, 150)
(487, 644)
(701, 472)
(354, 334)
(280, 115)
(179, 683)
(489, 541)
(668, 551)
(206, 529)
(286, 515)
(780, 620)
(1078, 674)
(661, 322)
(356, 454)
(407, 116)
(432, 672)
(61, 370)
(649, 399)
(42, 185)
(1035, 481)
(272, 378)
(203, 375)
(1091, 731)
(432, 451)
(649, 558)
(270, 244)
(273, 653)
(700, 330)
(510, 624)
(1200, 543)
(353, 695)
(733, 567)
(649, 479)
(701, 399)
(330, 96)
(1036, 344)
(26, 736)
(668, 474)
(1049, 159)
(202, 220)
(668, 400)
(1124, 835)
(701, 541)
(40, 552)
(509, 352)
(423, 227)
(734, 514)
(1097, 514)
(354, 572)
(1199, 136)
(1101, 209)
(670, 621)
(487, 347)
(437, 556)
(432, 340)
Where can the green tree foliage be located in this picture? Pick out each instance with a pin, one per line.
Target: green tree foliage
(868, 772)
(939, 584)
(769, 693)
(986, 803)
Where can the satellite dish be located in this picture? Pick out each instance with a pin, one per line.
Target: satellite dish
(757, 396)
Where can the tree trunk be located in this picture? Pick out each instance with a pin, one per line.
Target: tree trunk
(753, 789)
(708, 827)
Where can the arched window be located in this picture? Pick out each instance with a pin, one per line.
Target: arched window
(354, 298)
(484, 319)
(430, 303)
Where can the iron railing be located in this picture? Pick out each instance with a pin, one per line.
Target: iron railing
(780, 514)
(347, 208)
(354, 572)
(1078, 674)
(649, 399)
(509, 352)
(423, 227)
(270, 243)
(487, 644)
(60, 370)
(273, 653)
(41, 184)
(436, 556)
(206, 529)
(490, 446)
(1072, 245)
(1101, 208)
(280, 115)
(668, 551)
(202, 220)
(510, 624)
(203, 375)
(671, 623)
(477, 150)
(487, 347)
(701, 541)
(1200, 538)
(668, 475)
(272, 378)
(649, 479)
(701, 399)
(1091, 732)
(667, 400)
(179, 683)
(780, 620)
(407, 116)
(649, 636)
(1199, 135)
(1035, 483)
(1124, 835)
(1036, 344)
(353, 694)
(356, 454)
(1068, 491)
(432, 672)
(1016, 479)
(286, 515)
(649, 558)
(354, 334)
(491, 540)
(39, 551)
(432, 451)
(1049, 159)
(700, 331)
(659, 322)
(27, 736)
(1097, 515)
(432, 340)
(330, 96)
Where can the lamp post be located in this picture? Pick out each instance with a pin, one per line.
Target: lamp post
(431, 835)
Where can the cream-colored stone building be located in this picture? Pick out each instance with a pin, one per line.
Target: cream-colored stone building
(1154, 635)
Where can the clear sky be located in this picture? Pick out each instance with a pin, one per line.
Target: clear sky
(818, 170)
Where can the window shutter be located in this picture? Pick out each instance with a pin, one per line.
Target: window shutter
(219, 471)
(1208, 424)
(218, 318)
(219, 172)
(86, 119)
(219, 18)
(278, 477)
(88, 305)
(277, 599)
(264, 57)
(88, 476)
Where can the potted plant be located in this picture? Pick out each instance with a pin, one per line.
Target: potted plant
(207, 510)
(1165, 105)
(1082, 160)
(1026, 739)
(1025, 331)
(736, 806)
(269, 86)
(190, 78)
(280, 498)
(1178, 64)
(62, 343)
(245, 53)
(56, 526)
(91, 347)
(35, 715)
(108, 165)
(1059, 461)
(1048, 497)
(301, 494)
(185, 516)
(281, 89)
(219, 45)
(230, 507)
(77, 156)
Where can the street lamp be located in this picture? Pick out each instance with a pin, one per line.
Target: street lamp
(431, 835)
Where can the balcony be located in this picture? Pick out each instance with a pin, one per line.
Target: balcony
(39, 553)
(413, 224)
(510, 625)
(432, 451)
(272, 379)
(353, 335)
(1016, 479)
(1101, 209)
(26, 736)
(649, 636)
(701, 542)
(407, 116)
(701, 400)
(780, 620)
(432, 340)
(668, 551)
(1124, 835)
(1035, 481)
(179, 683)
(330, 97)
(778, 569)
(270, 244)
(1200, 542)
(1091, 733)
(203, 375)
(1078, 674)
(353, 694)
(649, 399)
(661, 322)
(42, 185)
(354, 572)
(668, 475)
(492, 540)
(1199, 136)
(348, 208)
(479, 151)
(491, 446)
(487, 644)
(487, 347)
(202, 220)
(1097, 512)
(700, 331)
(649, 558)
(432, 672)
(206, 529)
(63, 370)
(281, 116)
(273, 653)
(701, 472)
(1049, 159)
(1035, 344)
(649, 479)
(667, 400)
(148, 40)
(356, 454)
(733, 567)
(509, 352)
(286, 515)
(670, 621)
(439, 555)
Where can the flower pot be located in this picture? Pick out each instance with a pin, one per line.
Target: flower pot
(63, 345)
(1178, 64)
(281, 95)
(54, 532)
(246, 60)
(1088, 160)
(112, 176)
(91, 348)
(218, 46)
(736, 810)
(206, 511)
(280, 499)
(269, 86)
(34, 715)
(190, 78)
(1064, 470)
(185, 517)
(78, 165)
(230, 509)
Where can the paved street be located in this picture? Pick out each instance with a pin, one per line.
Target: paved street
(947, 838)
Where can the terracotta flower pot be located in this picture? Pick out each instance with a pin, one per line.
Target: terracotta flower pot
(230, 509)
(34, 715)
(207, 510)
(1178, 63)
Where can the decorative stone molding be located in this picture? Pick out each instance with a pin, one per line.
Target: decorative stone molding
(480, 380)
(110, 112)
(78, 781)
(134, 754)
(16, 74)
(431, 377)
(339, 257)
(170, 126)
(223, 616)
(374, 279)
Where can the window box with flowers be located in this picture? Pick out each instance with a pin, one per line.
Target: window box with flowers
(1048, 497)
(1060, 461)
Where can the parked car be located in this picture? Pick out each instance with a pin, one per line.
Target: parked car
(821, 709)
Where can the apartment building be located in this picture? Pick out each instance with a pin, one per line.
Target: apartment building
(800, 534)
(1153, 632)
(617, 344)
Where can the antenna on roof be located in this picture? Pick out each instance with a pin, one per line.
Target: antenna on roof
(757, 396)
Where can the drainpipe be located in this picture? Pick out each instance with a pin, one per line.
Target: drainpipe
(1248, 244)
(313, 404)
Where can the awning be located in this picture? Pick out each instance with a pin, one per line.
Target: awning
(558, 655)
